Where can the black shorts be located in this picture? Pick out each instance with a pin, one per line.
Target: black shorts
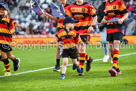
(85, 38)
(72, 53)
(5, 47)
(114, 36)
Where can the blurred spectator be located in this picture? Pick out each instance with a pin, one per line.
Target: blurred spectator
(11, 3)
(131, 5)
(22, 32)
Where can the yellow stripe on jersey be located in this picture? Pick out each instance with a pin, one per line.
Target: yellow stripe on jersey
(68, 13)
(4, 42)
(6, 19)
(79, 10)
(85, 23)
(60, 25)
(92, 12)
(62, 34)
(113, 7)
(72, 33)
(2, 30)
(122, 7)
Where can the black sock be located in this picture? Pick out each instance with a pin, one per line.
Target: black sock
(118, 70)
(6, 64)
(15, 60)
(114, 67)
(82, 70)
(58, 61)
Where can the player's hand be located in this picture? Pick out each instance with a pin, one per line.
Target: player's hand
(120, 21)
(90, 29)
(104, 21)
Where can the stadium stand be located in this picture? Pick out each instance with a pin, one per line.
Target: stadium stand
(33, 23)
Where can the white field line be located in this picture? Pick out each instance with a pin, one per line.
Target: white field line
(53, 67)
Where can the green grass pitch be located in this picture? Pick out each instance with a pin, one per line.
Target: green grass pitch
(97, 79)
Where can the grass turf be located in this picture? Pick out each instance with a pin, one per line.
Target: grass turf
(97, 79)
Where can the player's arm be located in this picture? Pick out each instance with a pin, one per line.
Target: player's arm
(68, 12)
(12, 26)
(104, 21)
(78, 40)
(17, 25)
(52, 17)
(123, 10)
(94, 21)
(120, 21)
(92, 12)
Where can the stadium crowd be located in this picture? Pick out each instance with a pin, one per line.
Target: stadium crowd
(11, 3)
(33, 23)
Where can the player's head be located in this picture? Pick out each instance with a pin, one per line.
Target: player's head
(69, 22)
(63, 1)
(3, 8)
(79, 1)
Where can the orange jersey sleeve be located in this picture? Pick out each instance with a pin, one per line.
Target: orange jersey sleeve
(92, 10)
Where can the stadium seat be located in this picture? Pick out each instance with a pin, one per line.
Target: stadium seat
(44, 6)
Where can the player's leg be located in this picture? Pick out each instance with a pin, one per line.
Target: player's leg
(64, 66)
(86, 40)
(57, 66)
(76, 65)
(5, 60)
(65, 56)
(89, 61)
(116, 56)
(74, 54)
(16, 61)
(115, 53)
(82, 55)
(117, 37)
(111, 50)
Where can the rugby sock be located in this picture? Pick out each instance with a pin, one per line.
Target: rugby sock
(115, 58)
(82, 59)
(87, 58)
(6, 64)
(15, 60)
(58, 61)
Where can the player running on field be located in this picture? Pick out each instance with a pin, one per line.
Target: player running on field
(114, 9)
(83, 12)
(59, 27)
(69, 38)
(6, 30)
